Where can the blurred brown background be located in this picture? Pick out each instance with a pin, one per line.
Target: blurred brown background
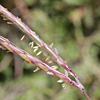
(74, 28)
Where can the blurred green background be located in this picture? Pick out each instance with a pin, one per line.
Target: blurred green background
(74, 28)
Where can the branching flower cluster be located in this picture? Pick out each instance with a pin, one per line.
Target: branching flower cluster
(52, 55)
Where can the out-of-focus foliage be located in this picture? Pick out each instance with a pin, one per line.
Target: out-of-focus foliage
(74, 28)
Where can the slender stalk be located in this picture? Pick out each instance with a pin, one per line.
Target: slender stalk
(31, 59)
(16, 21)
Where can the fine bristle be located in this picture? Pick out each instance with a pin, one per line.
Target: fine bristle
(22, 38)
(56, 51)
(47, 58)
(60, 81)
(5, 18)
(49, 73)
(39, 53)
(35, 50)
(55, 67)
(51, 45)
(37, 69)
(2, 15)
(31, 44)
(9, 23)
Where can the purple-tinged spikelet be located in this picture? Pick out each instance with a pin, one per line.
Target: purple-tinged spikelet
(51, 55)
